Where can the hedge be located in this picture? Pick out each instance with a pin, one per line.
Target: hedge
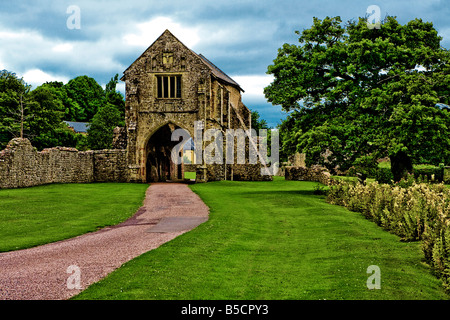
(430, 173)
(421, 173)
(419, 212)
(384, 175)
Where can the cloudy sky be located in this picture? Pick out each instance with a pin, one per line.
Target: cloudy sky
(41, 40)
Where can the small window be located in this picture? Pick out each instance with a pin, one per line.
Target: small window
(169, 86)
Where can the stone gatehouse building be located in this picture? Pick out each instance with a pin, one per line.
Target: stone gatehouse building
(168, 87)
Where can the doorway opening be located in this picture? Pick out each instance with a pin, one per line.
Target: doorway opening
(159, 166)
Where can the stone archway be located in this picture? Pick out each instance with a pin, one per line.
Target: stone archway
(159, 165)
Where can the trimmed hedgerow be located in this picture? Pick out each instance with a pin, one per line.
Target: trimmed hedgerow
(429, 173)
(413, 211)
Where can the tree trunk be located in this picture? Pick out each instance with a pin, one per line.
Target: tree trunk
(400, 165)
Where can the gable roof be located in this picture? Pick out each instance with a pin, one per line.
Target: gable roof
(219, 73)
(214, 69)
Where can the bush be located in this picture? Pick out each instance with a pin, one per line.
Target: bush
(320, 189)
(413, 211)
(431, 173)
(447, 175)
(384, 175)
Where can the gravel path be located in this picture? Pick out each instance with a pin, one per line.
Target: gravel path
(53, 271)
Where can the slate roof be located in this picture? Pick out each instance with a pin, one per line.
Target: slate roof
(219, 73)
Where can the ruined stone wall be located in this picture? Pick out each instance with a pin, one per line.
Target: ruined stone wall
(119, 138)
(110, 166)
(248, 172)
(21, 165)
(235, 172)
(314, 173)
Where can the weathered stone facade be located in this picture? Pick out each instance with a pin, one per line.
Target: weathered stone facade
(168, 87)
(21, 165)
(119, 138)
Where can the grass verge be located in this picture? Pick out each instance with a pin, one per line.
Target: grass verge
(34, 216)
(273, 240)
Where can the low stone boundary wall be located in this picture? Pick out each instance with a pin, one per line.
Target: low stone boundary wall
(314, 173)
(236, 172)
(21, 165)
(110, 165)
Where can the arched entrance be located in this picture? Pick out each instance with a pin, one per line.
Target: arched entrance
(159, 165)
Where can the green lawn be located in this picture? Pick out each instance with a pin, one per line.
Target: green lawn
(43, 214)
(273, 240)
(190, 175)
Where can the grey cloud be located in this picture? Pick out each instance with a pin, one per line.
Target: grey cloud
(241, 37)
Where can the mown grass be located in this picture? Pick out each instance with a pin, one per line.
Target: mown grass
(273, 240)
(34, 216)
(190, 175)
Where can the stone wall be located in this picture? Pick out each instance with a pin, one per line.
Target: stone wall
(297, 159)
(235, 172)
(110, 166)
(248, 172)
(119, 138)
(21, 165)
(314, 173)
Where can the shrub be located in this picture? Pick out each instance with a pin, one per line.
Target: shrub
(413, 211)
(431, 173)
(446, 175)
(320, 189)
(384, 175)
(406, 182)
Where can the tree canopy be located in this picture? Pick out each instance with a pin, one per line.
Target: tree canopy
(88, 95)
(38, 114)
(258, 122)
(357, 94)
(109, 116)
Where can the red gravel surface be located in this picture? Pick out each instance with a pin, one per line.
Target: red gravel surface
(50, 272)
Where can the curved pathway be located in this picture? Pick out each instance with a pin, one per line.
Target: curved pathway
(55, 270)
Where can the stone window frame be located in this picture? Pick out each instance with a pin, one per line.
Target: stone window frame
(169, 86)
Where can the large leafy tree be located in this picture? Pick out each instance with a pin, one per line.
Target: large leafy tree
(88, 95)
(359, 94)
(13, 104)
(258, 122)
(46, 113)
(109, 116)
(72, 110)
(100, 132)
(35, 115)
(114, 97)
